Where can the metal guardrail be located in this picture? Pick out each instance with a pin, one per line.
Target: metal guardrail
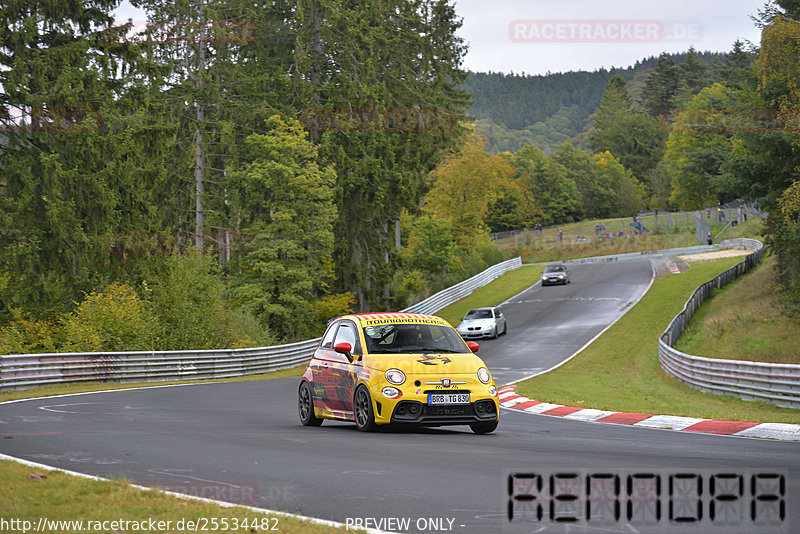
(29, 370)
(775, 383)
(454, 293)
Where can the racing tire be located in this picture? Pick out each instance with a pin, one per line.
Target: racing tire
(494, 332)
(305, 406)
(505, 328)
(362, 410)
(484, 428)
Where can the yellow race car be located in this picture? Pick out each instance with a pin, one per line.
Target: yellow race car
(397, 368)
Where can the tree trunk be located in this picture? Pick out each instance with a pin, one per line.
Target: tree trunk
(200, 162)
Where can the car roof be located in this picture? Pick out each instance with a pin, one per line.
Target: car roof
(482, 308)
(390, 317)
(558, 266)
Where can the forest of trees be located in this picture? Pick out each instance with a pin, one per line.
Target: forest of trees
(240, 176)
(282, 140)
(547, 110)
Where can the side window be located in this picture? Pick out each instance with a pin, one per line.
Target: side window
(327, 341)
(347, 334)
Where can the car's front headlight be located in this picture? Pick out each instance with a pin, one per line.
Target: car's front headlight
(560, 276)
(483, 375)
(395, 376)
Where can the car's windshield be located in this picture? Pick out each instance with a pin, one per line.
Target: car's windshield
(555, 269)
(478, 314)
(404, 338)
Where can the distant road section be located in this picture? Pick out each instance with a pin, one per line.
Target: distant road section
(547, 325)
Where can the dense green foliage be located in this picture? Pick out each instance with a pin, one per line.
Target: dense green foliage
(246, 169)
(547, 110)
(283, 140)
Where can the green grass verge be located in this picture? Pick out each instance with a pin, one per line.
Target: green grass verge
(745, 321)
(494, 293)
(29, 494)
(620, 370)
(84, 387)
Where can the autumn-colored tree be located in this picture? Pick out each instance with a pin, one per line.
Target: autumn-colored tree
(779, 70)
(467, 184)
(628, 191)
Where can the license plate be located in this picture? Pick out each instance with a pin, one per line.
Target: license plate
(448, 398)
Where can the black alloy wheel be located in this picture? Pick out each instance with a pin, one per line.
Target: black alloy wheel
(305, 405)
(362, 410)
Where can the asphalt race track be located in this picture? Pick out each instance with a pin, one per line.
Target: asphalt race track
(243, 442)
(548, 324)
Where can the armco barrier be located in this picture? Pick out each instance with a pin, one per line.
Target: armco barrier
(775, 383)
(28, 370)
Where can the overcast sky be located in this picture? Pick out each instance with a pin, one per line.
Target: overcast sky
(537, 36)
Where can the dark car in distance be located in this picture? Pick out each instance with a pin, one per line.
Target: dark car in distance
(555, 274)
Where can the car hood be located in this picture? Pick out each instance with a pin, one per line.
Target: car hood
(554, 274)
(433, 363)
(483, 323)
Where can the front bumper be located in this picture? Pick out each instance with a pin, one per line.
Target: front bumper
(476, 334)
(412, 404)
(419, 413)
(554, 281)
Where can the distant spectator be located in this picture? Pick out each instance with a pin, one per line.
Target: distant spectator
(709, 239)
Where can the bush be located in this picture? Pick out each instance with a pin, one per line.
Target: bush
(25, 336)
(331, 306)
(114, 319)
(186, 296)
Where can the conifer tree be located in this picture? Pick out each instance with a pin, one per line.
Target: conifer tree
(661, 86)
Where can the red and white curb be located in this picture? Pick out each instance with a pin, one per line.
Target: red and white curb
(780, 431)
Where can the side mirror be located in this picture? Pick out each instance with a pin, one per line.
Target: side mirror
(473, 346)
(345, 348)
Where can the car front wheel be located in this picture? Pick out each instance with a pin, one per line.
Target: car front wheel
(483, 428)
(362, 410)
(305, 402)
